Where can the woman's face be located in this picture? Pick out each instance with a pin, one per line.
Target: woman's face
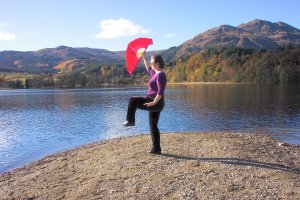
(154, 65)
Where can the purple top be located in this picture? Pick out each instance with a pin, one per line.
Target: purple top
(157, 83)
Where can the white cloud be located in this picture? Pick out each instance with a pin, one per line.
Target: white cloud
(7, 36)
(114, 28)
(169, 35)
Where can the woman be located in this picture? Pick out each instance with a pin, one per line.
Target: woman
(153, 102)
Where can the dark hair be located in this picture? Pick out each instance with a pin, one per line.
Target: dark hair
(159, 60)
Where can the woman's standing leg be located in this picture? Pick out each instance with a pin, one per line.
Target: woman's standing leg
(155, 134)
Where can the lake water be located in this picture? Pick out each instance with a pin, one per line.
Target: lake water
(36, 123)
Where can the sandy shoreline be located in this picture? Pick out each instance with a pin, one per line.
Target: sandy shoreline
(192, 166)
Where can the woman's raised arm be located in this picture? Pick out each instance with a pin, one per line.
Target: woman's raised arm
(147, 65)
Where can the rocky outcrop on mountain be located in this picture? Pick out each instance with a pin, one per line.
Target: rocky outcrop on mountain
(281, 33)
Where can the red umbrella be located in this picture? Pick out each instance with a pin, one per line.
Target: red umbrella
(134, 52)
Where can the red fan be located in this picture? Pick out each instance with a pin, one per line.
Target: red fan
(134, 52)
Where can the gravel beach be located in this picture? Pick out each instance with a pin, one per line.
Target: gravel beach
(206, 165)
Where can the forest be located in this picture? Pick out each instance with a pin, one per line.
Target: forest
(233, 64)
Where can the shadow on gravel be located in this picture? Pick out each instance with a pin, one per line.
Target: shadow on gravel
(238, 161)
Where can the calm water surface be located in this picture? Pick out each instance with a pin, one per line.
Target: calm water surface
(36, 123)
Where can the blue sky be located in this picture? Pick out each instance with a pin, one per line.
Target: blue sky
(110, 24)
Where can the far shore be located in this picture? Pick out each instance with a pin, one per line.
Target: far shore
(201, 165)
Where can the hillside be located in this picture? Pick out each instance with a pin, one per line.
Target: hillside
(76, 64)
(256, 34)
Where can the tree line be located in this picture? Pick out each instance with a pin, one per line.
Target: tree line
(92, 76)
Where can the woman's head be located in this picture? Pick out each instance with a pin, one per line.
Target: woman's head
(157, 62)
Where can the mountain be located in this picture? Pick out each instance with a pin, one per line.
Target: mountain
(45, 59)
(256, 34)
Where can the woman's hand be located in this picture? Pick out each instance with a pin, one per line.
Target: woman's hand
(150, 104)
(153, 103)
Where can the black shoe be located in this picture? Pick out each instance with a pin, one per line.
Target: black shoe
(155, 151)
(127, 123)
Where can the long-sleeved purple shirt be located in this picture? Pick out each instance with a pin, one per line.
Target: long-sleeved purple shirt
(157, 83)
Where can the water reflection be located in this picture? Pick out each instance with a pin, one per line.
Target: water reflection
(34, 123)
(237, 107)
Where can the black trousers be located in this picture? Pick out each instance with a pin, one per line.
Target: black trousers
(154, 112)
